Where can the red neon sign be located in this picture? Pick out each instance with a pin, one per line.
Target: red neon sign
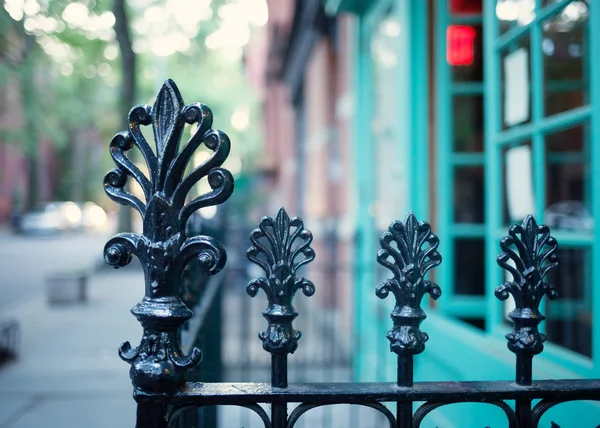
(460, 48)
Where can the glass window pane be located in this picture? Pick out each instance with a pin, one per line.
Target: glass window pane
(550, 2)
(517, 183)
(514, 13)
(565, 48)
(459, 7)
(391, 179)
(568, 181)
(469, 194)
(464, 52)
(469, 266)
(570, 140)
(468, 123)
(569, 319)
(519, 72)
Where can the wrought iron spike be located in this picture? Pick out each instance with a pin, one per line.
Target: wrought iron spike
(280, 246)
(414, 254)
(164, 248)
(534, 258)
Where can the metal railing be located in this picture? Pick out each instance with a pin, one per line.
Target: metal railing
(163, 374)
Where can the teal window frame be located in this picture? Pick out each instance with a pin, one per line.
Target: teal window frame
(496, 139)
(486, 306)
(464, 306)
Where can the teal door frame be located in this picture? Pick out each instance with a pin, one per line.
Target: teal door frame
(413, 107)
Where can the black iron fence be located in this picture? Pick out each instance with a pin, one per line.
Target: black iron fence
(167, 383)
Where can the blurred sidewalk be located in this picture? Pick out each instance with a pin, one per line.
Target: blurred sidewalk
(68, 373)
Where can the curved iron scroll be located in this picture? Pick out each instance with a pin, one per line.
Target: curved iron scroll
(254, 407)
(545, 404)
(164, 249)
(428, 407)
(305, 407)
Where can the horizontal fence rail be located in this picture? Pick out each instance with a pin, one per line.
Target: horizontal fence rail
(165, 378)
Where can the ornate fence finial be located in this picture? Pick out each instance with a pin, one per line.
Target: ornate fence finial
(410, 262)
(286, 240)
(163, 248)
(536, 256)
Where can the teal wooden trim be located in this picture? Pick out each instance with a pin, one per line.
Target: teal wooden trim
(567, 157)
(567, 309)
(572, 239)
(375, 12)
(363, 160)
(467, 88)
(537, 107)
(570, 363)
(515, 33)
(451, 343)
(467, 159)
(444, 143)
(556, 122)
(466, 19)
(566, 85)
(594, 75)
(335, 7)
(466, 306)
(566, 238)
(419, 96)
(467, 230)
(493, 176)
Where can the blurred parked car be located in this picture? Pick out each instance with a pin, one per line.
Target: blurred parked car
(44, 220)
(55, 217)
(569, 215)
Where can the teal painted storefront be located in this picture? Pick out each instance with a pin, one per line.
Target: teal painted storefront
(419, 110)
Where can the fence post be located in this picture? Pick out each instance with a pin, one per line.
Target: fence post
(276, 245)
(535, 256)
(409, 263)
(158, 366)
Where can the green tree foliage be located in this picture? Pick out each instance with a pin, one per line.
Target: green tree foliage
(66, 58)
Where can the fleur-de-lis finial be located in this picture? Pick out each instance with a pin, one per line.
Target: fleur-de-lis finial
(535, 257)
(164, 248)
(409, 263)
(280, 246)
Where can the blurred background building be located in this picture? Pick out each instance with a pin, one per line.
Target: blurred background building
(350, 113)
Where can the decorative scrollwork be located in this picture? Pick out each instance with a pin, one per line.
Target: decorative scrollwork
(534, 258)
(414, 254)
(305, 407)
(176, 413)
(280, 246)
(429, 407)
(164, 248)
(546, 404)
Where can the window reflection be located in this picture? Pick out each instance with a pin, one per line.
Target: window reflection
(462, 7)
(468, 123)
(522, 43)
(469, 266)
(565, 51)
(469, 195)
(514, 13)
(518, 198)
(389, 168)
(465, 42)
(568, 190)
(569, 319)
